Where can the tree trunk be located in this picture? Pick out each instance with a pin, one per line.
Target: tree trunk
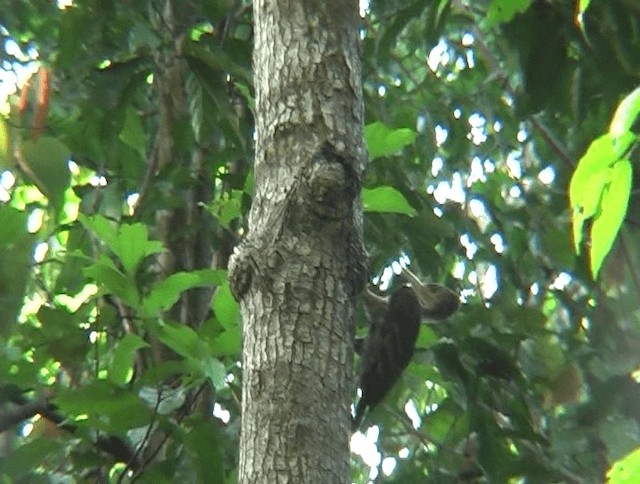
(302, 263)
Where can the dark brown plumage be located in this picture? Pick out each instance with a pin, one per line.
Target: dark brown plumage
(388, 348)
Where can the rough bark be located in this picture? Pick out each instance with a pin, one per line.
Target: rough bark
(302, 263)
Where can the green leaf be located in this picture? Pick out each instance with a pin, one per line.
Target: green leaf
(215, 370)
(626, 470)
(113, 281)
(123, 357)
(182, 339)
(13, 226)
(105, 230)
(600, 155)
(607, 223)
(583, 5)
(228, 343)
(133, 245)
(426, 337)
(45, 162)
(130, 243)
(165, 293)
(386, 199)
(589, 179)
(26, 458)
(106, 406)
(626, 114)
(205, 446)
(132, 133)
(383, 141)
(225, 307)
(502, 11)
(227, 208)
(579, 18)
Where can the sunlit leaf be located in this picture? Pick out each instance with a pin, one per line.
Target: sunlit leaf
(130, 242)
(133, 245)
(600, 155)
(383, 141)
(583, 5)
(626, 470)
(606, 225)
(165, 293)
(589, 179)
(579, 18)
(227, 207)
(225, 307)
(386, 199)
(626, 114)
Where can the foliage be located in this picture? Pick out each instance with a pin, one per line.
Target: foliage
(475, 115)
(601, 184)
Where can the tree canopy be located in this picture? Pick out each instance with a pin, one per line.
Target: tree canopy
(502, 164)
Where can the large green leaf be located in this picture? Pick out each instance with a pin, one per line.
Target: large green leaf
(386, 199)
(130, 242)
(384, 141)
(165, 293)
(225, 307)
(607, 223)
(626, 470)
(591, 177)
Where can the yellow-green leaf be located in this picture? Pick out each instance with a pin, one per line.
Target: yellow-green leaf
(386, 199)
(384, 141)
(626, 114)
(613, 209)
(626, 470)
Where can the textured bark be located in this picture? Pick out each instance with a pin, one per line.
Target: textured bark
(302, 263)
